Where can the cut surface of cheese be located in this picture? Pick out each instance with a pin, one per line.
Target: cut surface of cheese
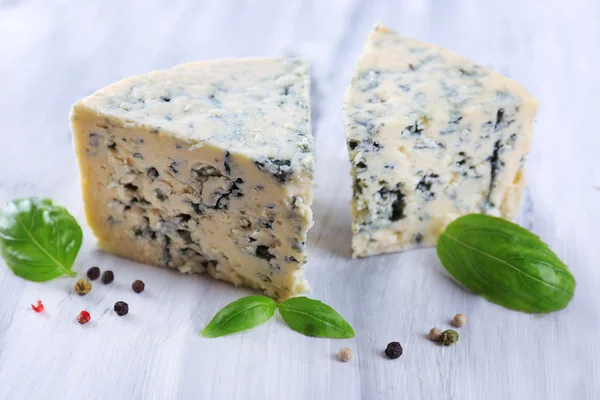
(431, 136)
(204, 167)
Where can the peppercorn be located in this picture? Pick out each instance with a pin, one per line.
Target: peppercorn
(459, 320)
(82, 287)
(39, 307)
(93, 273)
(393, 350)
(449, 337)
(83, 317)
(121, 308)
(435, 334)
(107, 277)
(138, 286)
(345, 354)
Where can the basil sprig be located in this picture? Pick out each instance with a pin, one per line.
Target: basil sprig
(304, 315)
(39, 240)
(506, 264)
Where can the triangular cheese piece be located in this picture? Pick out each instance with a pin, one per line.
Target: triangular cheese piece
(204, 167)
(431, 136)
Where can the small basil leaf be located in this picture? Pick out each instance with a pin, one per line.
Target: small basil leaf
(242, 314)
(39, 240)
(506, 264)
(314, 318)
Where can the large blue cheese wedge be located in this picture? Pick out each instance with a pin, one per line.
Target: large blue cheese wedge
(431, 136)
(205, 167)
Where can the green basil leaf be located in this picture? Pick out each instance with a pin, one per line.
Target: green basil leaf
(39, 240)
(506, 264)
(242, 314)
(314, 318)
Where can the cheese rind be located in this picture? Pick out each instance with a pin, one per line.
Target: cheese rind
(205, 167)
(431, 136)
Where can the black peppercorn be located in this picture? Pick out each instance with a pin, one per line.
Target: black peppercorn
(393, 350)
(121, 308)
(93, 273)
(107, 277)
(138, 286)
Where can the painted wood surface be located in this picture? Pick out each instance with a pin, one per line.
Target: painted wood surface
(54, 52)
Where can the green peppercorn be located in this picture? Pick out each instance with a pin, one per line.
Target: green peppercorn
(82, 287)
(449, 337)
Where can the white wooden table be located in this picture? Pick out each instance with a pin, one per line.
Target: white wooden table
(54, 52)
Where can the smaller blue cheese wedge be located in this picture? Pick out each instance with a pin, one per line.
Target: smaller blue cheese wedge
(205, 167)
(431, 136)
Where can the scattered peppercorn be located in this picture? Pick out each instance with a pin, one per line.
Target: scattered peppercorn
(138, 286)
(449, 337)
(83, 317)
(39, 307)
(393, 350)
(107, 277)
(459, 320)
(435, 334)
(345, 354)
(93, 273)
(82, 287)
(121, 308)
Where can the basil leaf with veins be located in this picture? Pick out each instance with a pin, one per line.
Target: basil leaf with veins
(506, 264)
(242, 314)
(314, 318)
(39, 240)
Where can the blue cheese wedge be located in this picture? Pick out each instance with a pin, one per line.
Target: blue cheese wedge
(431, 136)
(205, 167)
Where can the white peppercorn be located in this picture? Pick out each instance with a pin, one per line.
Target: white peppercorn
(459, 320)
(435, 334)
(345, 354)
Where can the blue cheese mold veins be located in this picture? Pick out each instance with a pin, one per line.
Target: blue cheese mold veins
(205, 167)
(431, 136)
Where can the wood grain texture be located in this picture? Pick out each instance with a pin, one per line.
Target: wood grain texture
(54, 52)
